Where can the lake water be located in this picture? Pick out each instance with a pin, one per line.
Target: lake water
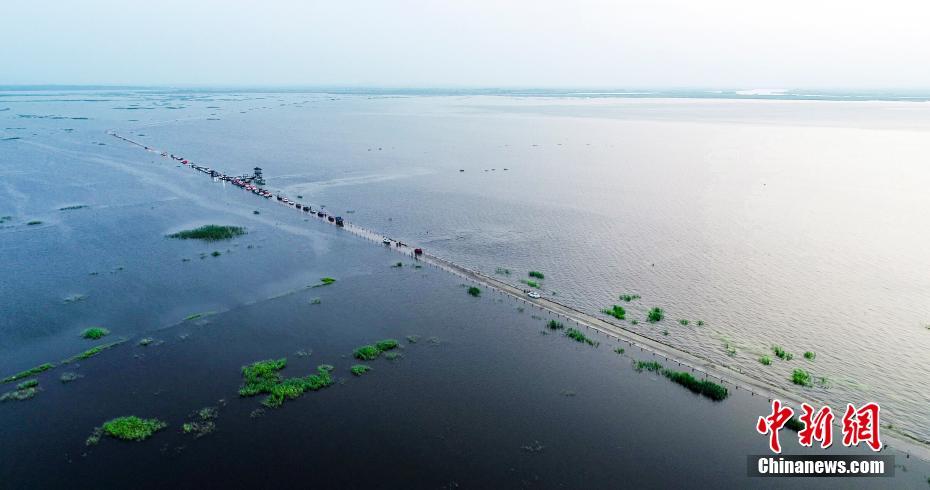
(773, 222)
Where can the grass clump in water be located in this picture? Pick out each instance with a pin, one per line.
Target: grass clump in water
(24, 391)
(34, 222)
(619, 350)
(801, 377)
(537, 275)
(532, 284)
(413, 339)
(366, 353)
(785, 356)
(476, 292)
(655, 315)
(810, 356)
(795, 424)
(69, 377)
(703, 387)
(652, 366)
(398, 264)
(765, 360)
(360, 369)
(578, 336)
(210, 233)
(132, 428)
(264, 377)
(70, 208)
(503, 271)
(683, 322)
(29, 372)
(386, 344)
(316, 301)
(92, 352)
(325, 281)
(555, 325)
(95, 333)
(203, 423)
(629, 297)
(615, 311)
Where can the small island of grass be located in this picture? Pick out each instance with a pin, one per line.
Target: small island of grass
(705, 387)
(132, 428)
(95, 333)
(655, 315)
(578, 336)
(537, 275)
(615, 311)
(210, 233)
(802, 378)
(360, 369)
(476, 292)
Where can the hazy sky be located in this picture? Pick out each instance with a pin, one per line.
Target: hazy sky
(597, 43)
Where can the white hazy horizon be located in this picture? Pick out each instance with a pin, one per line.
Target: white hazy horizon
(420, 43)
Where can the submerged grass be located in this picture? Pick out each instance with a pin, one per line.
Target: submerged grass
(786, 356)
(655, 315)
(95, 333)
(810, 356)
(615, 311)
(360, 369)
(555, 325)
(578, 336)
(132, 428)
(503, 271)
(652, 366)
(532, 284)
(29, 372)
(476, 292)
(210, 233)
(801, 377)
(366, 353)
(537, 275)
(24, 391)
(264, 377)
(629, 297)
(765, 360)
(704, 387)
(92, 352)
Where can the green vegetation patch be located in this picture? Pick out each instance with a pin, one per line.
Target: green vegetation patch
(203, 422)
(615, 311)
(132, 428)
(210, 233)
(366, 353)
(24, 391)
(503, 271)
(786, 356)
(70, 208)
(29, 372)
(810, 356)
(537, 275)
(655, 315)
(683, 322)
(34, 222)
(92, 352)
(386, 344)
(703, 387)
(629, 297)
(651, 366)
(555, 325)
(619, 350)
(532, 284)
(801, 377)
(474, 291)
(578, 336)
(264, 377)
(95, 333)
(325, 281)
(197, 316)
(360, 369)
(765, 360)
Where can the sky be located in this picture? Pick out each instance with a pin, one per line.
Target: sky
(470, 43)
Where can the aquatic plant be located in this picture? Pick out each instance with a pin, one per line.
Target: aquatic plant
(29, 383)
(413, 339)
(146, 341)
(216, 253)
(92, 352)
(324, 281)
(786, 356)
(264, 377)
(68, 377)
(393, 355)
(474, 291)
(703, 387)
(210, 233)
(29, 372)
(629, 297)
(537, 275)
(615, 311)
(634, 322)
(501, 270)
(619, 350)
(132, 428)
(386, 344)
(730, 348)
(810, 356)
(195, 316)
(34, 222)
(578, 336)
(765, 360)
(360, 369)
(652, 366)
(532, 284)
(316, 301)
(683, 322)
(655, 315)
(21, 393)
(95, 333)
(256, 212)
(366, 353)
(69, 208)
(700, 323)
(665, 332)
(74, 298)
(555, 325)
(398, 264)
(203, 423)
(801, 377)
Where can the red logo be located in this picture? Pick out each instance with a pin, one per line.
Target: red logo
(858, 425)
